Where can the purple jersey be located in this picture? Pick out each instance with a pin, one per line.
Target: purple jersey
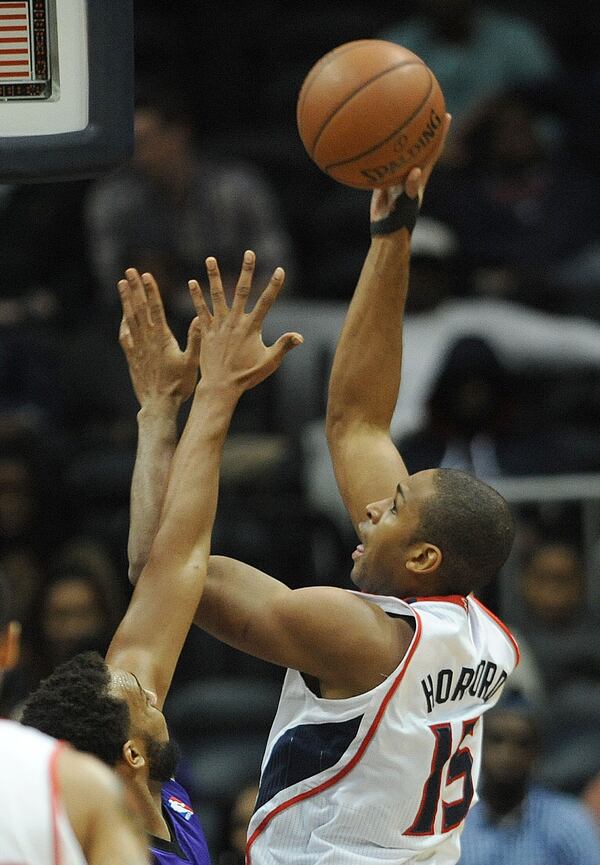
(188, 846)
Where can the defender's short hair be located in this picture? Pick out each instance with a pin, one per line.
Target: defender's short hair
(473, 527)
(74, 704)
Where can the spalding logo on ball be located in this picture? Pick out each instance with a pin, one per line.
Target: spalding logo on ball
(368, 112)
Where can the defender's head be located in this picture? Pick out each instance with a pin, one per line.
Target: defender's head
(105, 712)
(443, 532)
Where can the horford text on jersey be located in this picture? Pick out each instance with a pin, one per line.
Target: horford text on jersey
(446, 685)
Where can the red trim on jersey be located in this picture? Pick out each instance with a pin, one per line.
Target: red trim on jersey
(502, 626)
(352, 763)
(460, 600)
(55, 799)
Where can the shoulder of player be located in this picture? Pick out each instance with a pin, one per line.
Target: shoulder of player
(364, 622)
(334, 598)
(171, 788)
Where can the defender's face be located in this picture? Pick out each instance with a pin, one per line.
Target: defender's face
(146, 718)
(386, 537)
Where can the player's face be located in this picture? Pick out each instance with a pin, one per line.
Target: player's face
(387, 535)
(147, 725)
(147, 721)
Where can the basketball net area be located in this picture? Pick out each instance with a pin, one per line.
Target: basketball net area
(66, 87)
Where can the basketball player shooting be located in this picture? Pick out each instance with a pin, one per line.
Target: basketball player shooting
(374, 752)
(112, 707)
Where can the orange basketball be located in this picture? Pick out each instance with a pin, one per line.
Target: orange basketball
(368, 112)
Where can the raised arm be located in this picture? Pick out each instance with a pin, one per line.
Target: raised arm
(323, 631)
(241, 605)
(365, 378)
(233, 359)
(163, 377)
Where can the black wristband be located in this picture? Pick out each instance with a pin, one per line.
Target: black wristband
(404, 215)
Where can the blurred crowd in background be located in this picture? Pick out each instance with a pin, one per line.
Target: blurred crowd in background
(502, 350)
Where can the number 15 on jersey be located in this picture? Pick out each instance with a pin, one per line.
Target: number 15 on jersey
(448, 765)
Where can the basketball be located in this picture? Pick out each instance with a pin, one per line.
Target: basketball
(368, 112)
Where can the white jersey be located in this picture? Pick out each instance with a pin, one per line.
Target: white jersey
(387, 776)
(34, 829)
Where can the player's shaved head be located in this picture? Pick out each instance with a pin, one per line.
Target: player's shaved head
(472, 525)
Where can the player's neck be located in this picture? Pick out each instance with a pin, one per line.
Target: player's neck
(148, 805)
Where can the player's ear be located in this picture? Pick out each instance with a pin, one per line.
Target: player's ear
(423, 558)
(132, 755)
(10, 646)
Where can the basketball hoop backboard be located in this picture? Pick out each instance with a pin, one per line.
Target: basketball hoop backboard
(66, 88)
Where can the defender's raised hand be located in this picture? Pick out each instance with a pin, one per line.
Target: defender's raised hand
(158, 367)
(233, 354)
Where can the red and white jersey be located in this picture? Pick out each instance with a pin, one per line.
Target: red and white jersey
(34, 829)
(387, 776)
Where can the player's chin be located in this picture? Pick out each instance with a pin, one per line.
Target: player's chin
(358, 575)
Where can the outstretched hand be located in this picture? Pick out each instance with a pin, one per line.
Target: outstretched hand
(157, 366)
(383, 200)
(232, 352)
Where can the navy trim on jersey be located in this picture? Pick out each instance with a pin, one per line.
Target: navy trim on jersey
(304, 751)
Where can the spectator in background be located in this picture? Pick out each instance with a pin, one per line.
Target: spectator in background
(29, 392)
(77, 609)
(44, 266)
(471, 409)
(175, 203)
(30, 512)
(480, 420)
(591, 797)
(510, 203)
(474, 50)
(517, 821)
(556, 619)
(562, 634)
(240, 813)
(172, 206)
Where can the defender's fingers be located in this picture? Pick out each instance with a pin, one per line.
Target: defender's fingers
(285, 344)
(125, 338)
(138, 297)
(269, 295)
(244, 283)
(155, 304)
(217, 294)
(202, 310)
(194, 338)
(127, 307)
